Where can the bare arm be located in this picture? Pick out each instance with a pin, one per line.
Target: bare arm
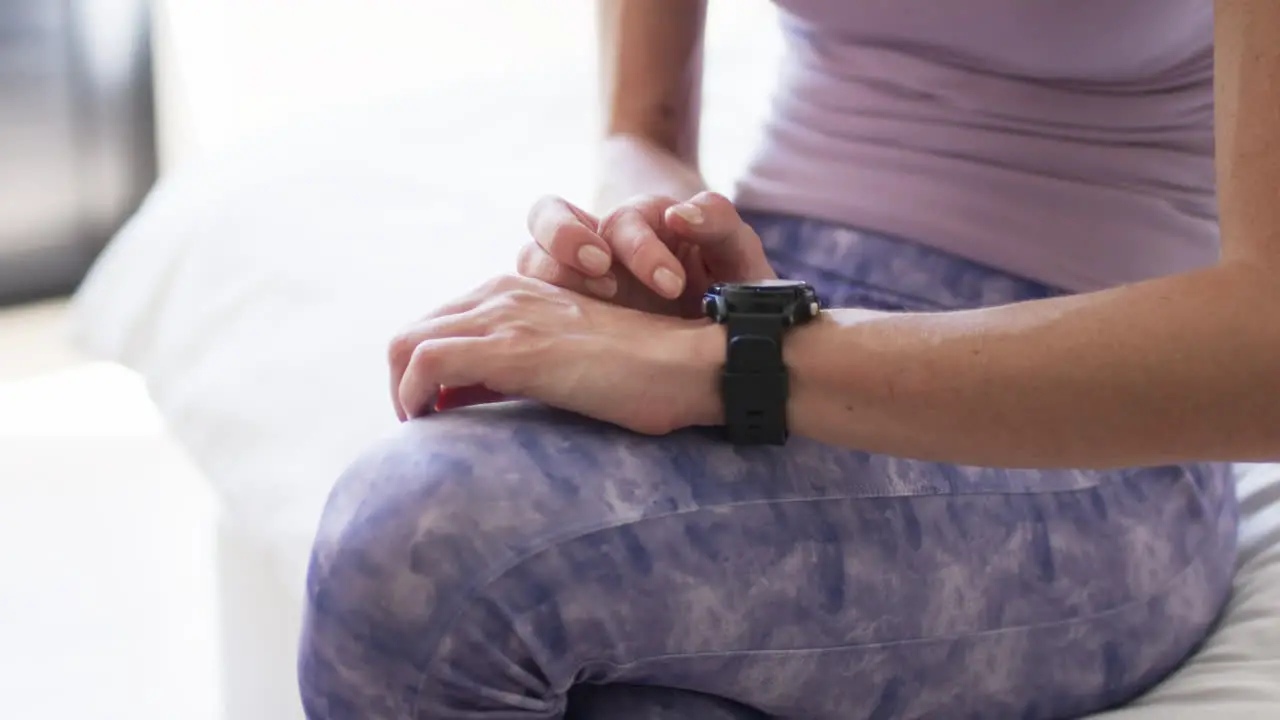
(1181, 368)
(650, 59)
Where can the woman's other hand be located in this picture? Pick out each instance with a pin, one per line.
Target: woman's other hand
(654, 253)
(521, 337)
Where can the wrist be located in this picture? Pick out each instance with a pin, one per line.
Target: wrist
(703, 351)
(807, 352)
(838, 376)
(631, 165)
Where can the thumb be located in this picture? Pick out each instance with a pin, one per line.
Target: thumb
(730, 248)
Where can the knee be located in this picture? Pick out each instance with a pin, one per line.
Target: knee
(404, 525)
(420, 520)
(437, 503)
(414, 528)
(400, 542)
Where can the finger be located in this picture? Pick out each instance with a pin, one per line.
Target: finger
(707, 217)
(397, 379)
(730, 247)
(534, 262)
(695, 269)
(568, 234)
(637, 246)
(469, 323)
(395, 399)
(451, 361)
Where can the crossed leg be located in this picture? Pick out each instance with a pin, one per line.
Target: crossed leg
(514, 562)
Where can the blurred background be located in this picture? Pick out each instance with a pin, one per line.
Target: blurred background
(246, 196)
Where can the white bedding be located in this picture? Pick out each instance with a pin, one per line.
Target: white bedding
(256, 293)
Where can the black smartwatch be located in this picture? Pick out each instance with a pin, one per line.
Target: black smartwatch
(753, 386)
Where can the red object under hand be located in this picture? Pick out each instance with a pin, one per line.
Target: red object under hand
(458, 397)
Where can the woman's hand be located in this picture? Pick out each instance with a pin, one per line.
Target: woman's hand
(523, 337)
(654, 253)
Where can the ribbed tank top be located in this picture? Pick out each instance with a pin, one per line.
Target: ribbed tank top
(1067, 141)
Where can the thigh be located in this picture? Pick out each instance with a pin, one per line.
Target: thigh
(487, 560)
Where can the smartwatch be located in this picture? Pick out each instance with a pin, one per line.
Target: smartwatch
(753, 385)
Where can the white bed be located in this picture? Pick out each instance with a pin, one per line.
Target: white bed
(255, 293)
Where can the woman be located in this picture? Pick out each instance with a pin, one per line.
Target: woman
(1006, 492)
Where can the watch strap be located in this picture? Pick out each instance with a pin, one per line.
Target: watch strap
(754, 383)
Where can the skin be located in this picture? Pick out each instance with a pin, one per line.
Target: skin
(650, 74)
(1176, 369)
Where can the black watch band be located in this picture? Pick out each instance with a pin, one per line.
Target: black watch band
(754, 384)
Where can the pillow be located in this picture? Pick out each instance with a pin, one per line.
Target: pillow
(256, 294)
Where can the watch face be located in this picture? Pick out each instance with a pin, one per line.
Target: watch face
(792, 300)
(775, 284)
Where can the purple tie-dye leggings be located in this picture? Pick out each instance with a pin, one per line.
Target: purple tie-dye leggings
(513, 562)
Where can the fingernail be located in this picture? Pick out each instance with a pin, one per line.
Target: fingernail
(692, 214)
(593, 259)
(668, 282)
(602, 287)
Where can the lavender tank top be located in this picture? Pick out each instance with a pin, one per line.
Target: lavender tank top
(1069, 142)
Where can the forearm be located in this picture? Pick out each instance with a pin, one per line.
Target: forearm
(650, 61)
(1183, 368)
